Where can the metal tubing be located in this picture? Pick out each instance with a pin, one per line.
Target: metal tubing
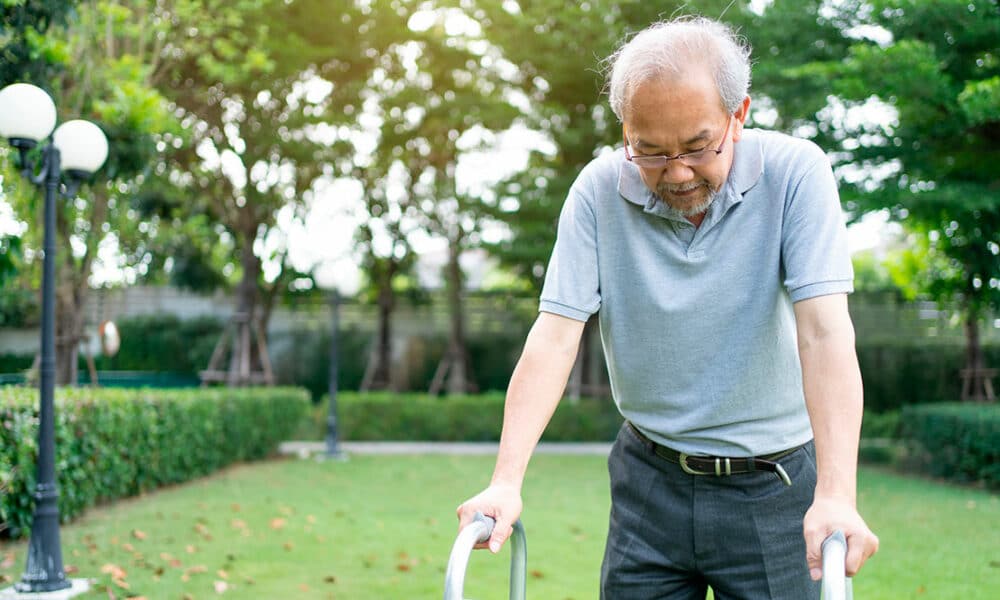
(44, 569)
(836, 583)
(479, 530)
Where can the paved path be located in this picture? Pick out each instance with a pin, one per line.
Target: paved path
(469, 448)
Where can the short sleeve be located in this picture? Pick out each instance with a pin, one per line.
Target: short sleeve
(571, 287)
(815, 255)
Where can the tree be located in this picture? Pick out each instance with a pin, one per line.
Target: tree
(257, 83)
(934, 68)
(91, 78)
(457, 95)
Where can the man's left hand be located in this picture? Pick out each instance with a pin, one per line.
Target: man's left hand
(826, 515)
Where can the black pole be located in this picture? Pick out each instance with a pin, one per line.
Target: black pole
(44, 570)
(332, 436)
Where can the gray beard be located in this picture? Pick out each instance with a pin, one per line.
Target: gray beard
(697, 209)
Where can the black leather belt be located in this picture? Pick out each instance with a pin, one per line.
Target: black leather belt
(719, 465)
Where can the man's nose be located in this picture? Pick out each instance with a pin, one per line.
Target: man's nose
(676, 171)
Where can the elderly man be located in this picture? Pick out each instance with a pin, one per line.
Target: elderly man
(717, 259)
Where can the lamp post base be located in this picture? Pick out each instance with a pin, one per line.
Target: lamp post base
(77, 587)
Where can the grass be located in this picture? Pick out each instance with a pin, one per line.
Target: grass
(382, 527)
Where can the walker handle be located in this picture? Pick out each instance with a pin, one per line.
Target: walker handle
(479, 530)
(836, 583)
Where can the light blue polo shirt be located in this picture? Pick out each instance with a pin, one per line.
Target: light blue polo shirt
(697, 323)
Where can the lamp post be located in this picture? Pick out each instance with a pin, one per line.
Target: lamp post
(77, 148)
(332, 433)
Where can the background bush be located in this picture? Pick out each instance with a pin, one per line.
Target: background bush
(960, 442)
(116, 443)
(165, 343)
(897, 374)
(419, 417)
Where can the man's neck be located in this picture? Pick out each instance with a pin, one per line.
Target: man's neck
(697, 219)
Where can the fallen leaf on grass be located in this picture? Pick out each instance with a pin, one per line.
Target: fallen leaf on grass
(220, 587)
(330, 579)
(9, 560)
(190, 549)
(127, 547)
(303, 587)
(71, 569)
(288, 546)
(222, 574)
(139, 535)
(537, 574)
(5, 578)
(277, 523)
(114, 570)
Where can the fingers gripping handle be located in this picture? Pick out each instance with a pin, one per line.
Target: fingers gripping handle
(479, 530)
(836, 584)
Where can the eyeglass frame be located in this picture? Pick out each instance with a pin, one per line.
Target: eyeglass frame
(666, 159)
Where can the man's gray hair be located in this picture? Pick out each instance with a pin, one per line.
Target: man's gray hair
(668, 48)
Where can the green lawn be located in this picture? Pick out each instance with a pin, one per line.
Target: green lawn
(382, 527)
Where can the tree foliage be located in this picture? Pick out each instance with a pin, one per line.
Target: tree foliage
(933, 71)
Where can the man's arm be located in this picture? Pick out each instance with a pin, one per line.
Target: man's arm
(535, 388)
(834, 398)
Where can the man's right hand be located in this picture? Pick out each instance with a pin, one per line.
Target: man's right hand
(500, 501)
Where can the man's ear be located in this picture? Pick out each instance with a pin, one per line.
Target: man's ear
(741, 115)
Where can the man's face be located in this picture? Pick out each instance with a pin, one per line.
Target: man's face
(676, 117)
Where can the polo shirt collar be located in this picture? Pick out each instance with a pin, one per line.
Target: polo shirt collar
(748, 166)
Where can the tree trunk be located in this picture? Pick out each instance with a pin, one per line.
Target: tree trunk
(976, 383)
(378, 373)
(459, 372)
(68, 331)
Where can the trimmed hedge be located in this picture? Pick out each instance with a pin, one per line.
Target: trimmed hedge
(383, 416)
(420, 417)
(960, 442)
(112, 444)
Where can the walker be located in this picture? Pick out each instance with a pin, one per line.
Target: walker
(836, 584)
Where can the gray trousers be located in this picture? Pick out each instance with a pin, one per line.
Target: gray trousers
(672, 535)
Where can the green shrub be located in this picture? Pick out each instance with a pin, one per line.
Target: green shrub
(14, 363)
(960, 442)
(897, 374)
(880, 425)
(163, 342)
(112, 444)
(419, 417)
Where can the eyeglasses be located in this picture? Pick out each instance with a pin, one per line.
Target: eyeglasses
(691, 159)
